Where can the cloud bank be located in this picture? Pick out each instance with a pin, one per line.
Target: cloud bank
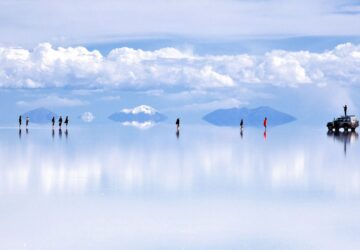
(173, 69)
(80, 21)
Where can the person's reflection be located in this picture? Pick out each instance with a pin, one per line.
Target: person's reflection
(265, 135)
(66, 133)
(19, 133)
(177, 134)
(27, 131)
(241, 133)
(60, 133)
(344, 137)
(53, 134)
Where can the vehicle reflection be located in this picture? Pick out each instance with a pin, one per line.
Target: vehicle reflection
(345, 138)
(151, 161)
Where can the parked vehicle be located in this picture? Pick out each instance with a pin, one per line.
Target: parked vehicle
(344, 122)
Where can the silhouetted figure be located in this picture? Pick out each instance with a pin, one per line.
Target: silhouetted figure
(177, 124)
(66, 121)
(60, 121)
(27, 121)
(53, 121)
(345, 110)
(20, 120)
(265, 123)
(241, 124)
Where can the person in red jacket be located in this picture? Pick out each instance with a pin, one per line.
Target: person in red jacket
(265, 123)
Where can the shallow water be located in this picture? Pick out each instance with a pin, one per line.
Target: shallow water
(116, 187)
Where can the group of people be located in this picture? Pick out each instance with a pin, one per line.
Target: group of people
(66, 122)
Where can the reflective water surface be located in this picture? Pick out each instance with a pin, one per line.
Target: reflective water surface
(118, 187)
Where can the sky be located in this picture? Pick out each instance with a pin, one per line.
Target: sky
(184, 58)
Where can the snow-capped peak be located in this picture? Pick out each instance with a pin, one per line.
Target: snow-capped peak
(140, 109)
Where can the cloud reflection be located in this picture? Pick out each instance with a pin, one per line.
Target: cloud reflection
(204, 165)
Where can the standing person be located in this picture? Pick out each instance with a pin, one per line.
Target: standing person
(345, 110)
(27, 121)
(53, 121)
(241, 124)
(177, 124)
(60, 122)
(265, 123)
(20, 120)
(66, 121)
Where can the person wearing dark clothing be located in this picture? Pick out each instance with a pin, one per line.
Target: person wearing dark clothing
(345, 110)
(241, 124)
(20, 120)
(66, 121)
(60, 121)
(27, 121)
(177, 124)
(53, 121)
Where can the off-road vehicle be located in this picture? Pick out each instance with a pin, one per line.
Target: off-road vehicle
(344, 122)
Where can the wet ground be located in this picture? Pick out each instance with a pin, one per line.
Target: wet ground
(118, 187)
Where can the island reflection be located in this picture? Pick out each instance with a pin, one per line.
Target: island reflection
(150, 163)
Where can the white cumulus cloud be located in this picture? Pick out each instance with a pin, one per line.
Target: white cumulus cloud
(170, 68)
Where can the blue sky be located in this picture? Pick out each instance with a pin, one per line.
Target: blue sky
(184, 58)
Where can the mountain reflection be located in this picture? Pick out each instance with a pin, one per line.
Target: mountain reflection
(161, 164)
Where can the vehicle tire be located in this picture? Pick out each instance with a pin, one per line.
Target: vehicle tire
(352, 129)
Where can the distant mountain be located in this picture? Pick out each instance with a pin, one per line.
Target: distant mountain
(140, 114)
(39, 115)
(251, 117)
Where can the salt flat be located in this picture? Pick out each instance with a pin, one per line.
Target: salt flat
(116, 187)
